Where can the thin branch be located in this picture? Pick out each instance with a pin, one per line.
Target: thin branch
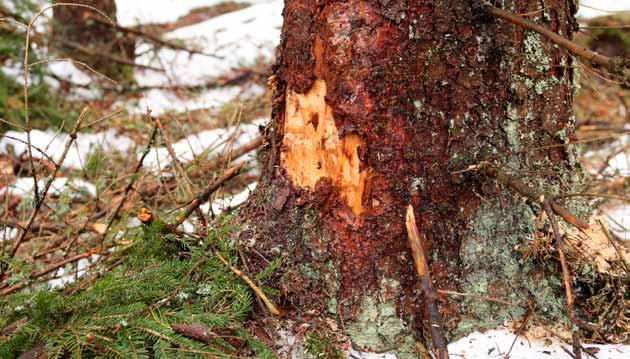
(527, 191)
(152, 38)
(616, 65)
(268, 303)
(566, 277)
(205, 195)
(430, 295)
(47, 270)
(129, 186)
(118, 59)
(39, 200)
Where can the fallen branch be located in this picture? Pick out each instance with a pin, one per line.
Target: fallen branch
(223, 159)
(526, 190)
(616, 65)
(205, 195)
(430, 295)
(48, 270)
(109, 56)
(40, 198)
(566, 277)
(131, 183)
(152, 38)
(268, 303)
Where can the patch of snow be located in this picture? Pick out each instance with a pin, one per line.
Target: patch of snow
(239, 38)
(355, 354)
(8, 233)
(66, 276)
(161, 101)
(215, 141)
(23, 187)
(605, 7)
(619, 220)
(617, 165)
(496, 344)
(222, 204)
(136, 12)
(52, 144)
(68, 71)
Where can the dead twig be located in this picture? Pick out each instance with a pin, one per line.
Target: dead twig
(205, 195)
(268, 303)
(615, 65)
(566, 277)
(430, 295)
(152, 38)
(527, 191)
(47, 270)
(117, 59)
(39, 200)
(129, 186)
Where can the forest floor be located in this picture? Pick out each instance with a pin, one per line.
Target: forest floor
(116, 162)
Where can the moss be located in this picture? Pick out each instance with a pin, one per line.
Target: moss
(320, 345)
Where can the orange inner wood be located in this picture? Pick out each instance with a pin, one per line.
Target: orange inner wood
(312, 148)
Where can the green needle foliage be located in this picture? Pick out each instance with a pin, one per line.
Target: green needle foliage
(129, 311)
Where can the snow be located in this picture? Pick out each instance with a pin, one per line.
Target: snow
(215, 141)
(52, 144)
(223, 204)
(606, 7)
(65, 276)
(496, 344)
(161, 101)
(618, 216)
(23, 187)
(136, 12)
(618, 165)
(254, 34)
(8, 233)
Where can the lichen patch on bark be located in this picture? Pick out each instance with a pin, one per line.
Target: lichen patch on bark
(313, 148)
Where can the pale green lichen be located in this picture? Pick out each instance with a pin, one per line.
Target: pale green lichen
(379, 328)
(535, 52)
(493, 267)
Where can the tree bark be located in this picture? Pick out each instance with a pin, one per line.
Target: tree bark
(382, 104)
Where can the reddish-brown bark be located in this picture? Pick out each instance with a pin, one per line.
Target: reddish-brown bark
(424, 89)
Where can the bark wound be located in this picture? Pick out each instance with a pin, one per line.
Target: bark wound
(313, 148)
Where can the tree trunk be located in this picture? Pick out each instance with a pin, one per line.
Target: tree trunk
(381, 104)
(78, 34)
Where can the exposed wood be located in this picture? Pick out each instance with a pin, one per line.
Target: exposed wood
(430, 295)
(314, 149)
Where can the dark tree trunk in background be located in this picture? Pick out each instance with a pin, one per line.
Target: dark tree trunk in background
(379, 105)
(79, 34)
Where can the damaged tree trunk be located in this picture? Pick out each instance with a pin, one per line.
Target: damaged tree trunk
(379, 105)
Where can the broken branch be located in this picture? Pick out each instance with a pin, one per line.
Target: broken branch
(566, 277)
(422, 269)
(526, 190)
(203, 197)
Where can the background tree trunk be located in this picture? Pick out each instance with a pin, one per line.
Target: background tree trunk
(77, 34)
(382, 104)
